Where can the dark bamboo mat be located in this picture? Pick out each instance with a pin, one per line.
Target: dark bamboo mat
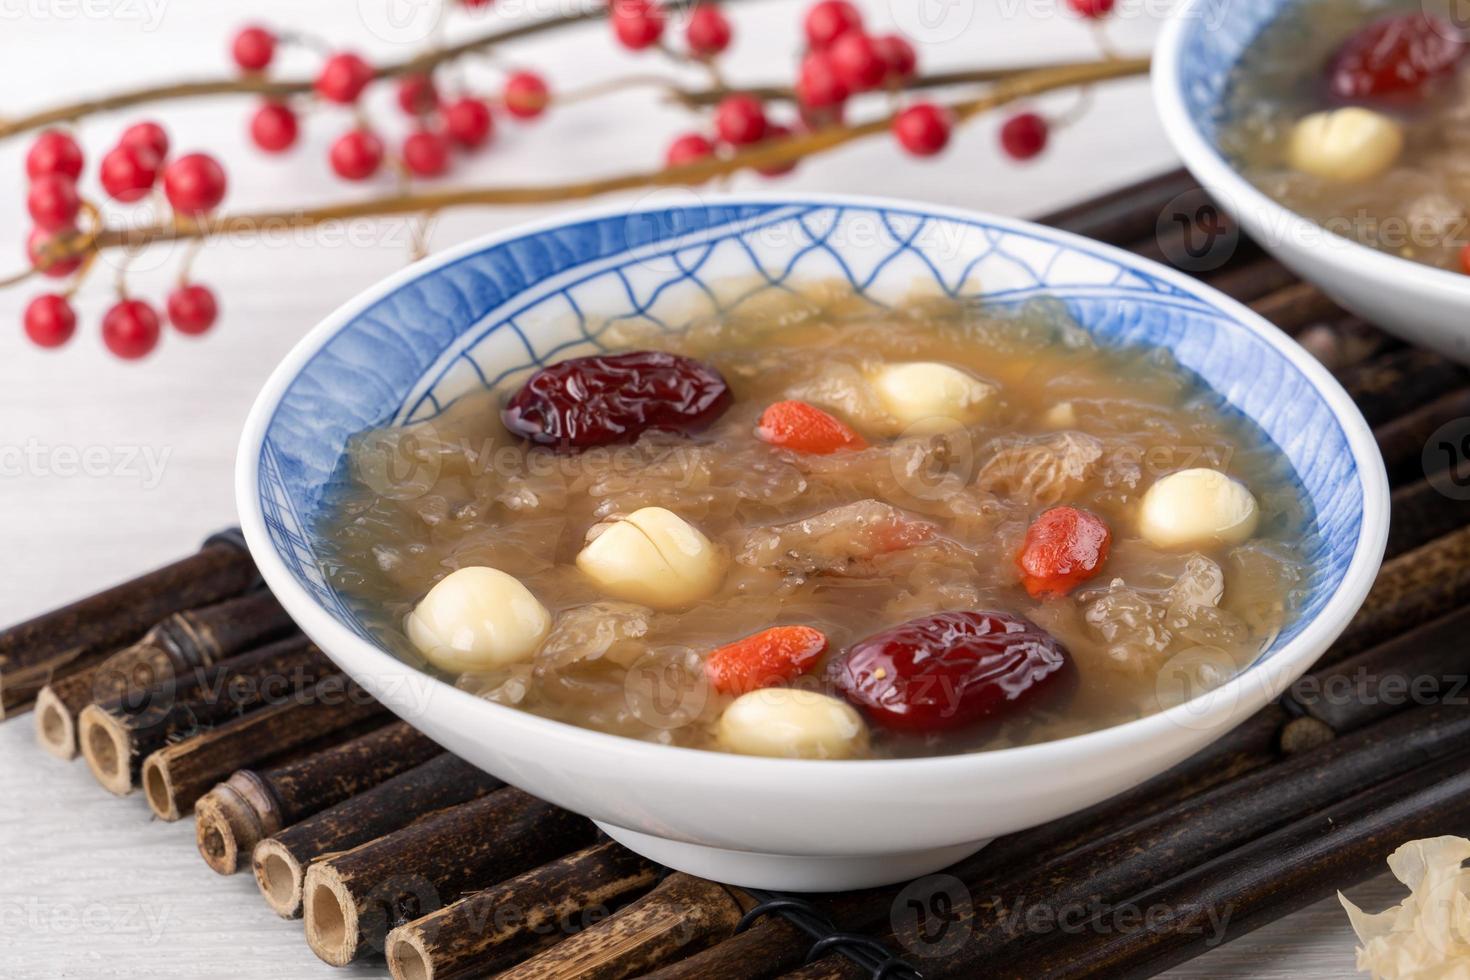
(1306, 797)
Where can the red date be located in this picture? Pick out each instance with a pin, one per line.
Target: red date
(612, 398)
(1392, 59)
(950, 670)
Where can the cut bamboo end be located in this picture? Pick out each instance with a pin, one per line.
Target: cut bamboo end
(105, 748)
(332, 928)
(408, 959)
(279, 876)
(158, 787)
(231, 819)
(56, 728)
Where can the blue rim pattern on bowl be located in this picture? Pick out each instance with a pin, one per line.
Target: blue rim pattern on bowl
(509, 307)
(1216, 33)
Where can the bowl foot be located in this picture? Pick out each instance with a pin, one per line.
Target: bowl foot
(791, 872)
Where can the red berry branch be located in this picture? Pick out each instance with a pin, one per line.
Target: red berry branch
(766, 129)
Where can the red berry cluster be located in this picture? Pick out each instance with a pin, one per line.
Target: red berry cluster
(193, 184)
(439, 124)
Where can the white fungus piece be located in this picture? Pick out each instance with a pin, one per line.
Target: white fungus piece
(1197, 508)
(654, 557)
(792, 724)
(1349, 144)
(1428, 936)
(478, 619)
(924, 397)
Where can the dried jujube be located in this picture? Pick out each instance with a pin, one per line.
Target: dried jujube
(950, 670)
(612, 398)
(1392, 59)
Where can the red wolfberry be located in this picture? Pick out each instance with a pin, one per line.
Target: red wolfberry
(1064, 547)
(765, 659)
(806, 429)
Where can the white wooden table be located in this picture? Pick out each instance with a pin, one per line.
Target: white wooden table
(106, 468)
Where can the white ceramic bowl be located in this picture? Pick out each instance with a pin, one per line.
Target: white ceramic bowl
(1200, 44)
(501, 305)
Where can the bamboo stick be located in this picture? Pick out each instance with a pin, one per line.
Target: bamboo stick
(1401, 380)
(1421, 513)
(1125, 863)
(491, 930)
(1128, 214)
(768, 948)
(118, 735)
(1239, 891)
(54, 645)
(1410, 589)
(683, 915)
(251, 805)
(1296, 306)
(353, 899)
(180, 642)
(1425, 665)
(1344, 344)
(1403, 440)
(177, 775)
(280, 862)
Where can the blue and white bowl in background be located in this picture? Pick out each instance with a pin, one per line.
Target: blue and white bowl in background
(1193, 60)
(490, 311)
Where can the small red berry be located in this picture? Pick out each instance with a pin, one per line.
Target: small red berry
(687, 149)
(53, 202)
(1024, 135)
(50, 320)
(475, 4)
(775, 131)
(426, 154)
(1091, 9)
(828, 20)
(194, 183)
(923, 129)
(128, 172)
(468, 122)
(1064, 547)
(1465, 259)
(343, 78)
(37, 241)
(146, 136)
(820, 86)
(858, 61)
(708, 31)
(130, 329)
(740, 120)
(417, 94)
(192, 309)
(898, 56)
(54, 152)
(526, 95)
(274, 127)
(356, 155)
(638, 24)
(253, 48)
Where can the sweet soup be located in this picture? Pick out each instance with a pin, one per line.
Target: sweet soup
(817, 527)
(1356, 114)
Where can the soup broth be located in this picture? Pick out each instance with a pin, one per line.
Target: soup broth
(904, 520)
(1381, 163)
